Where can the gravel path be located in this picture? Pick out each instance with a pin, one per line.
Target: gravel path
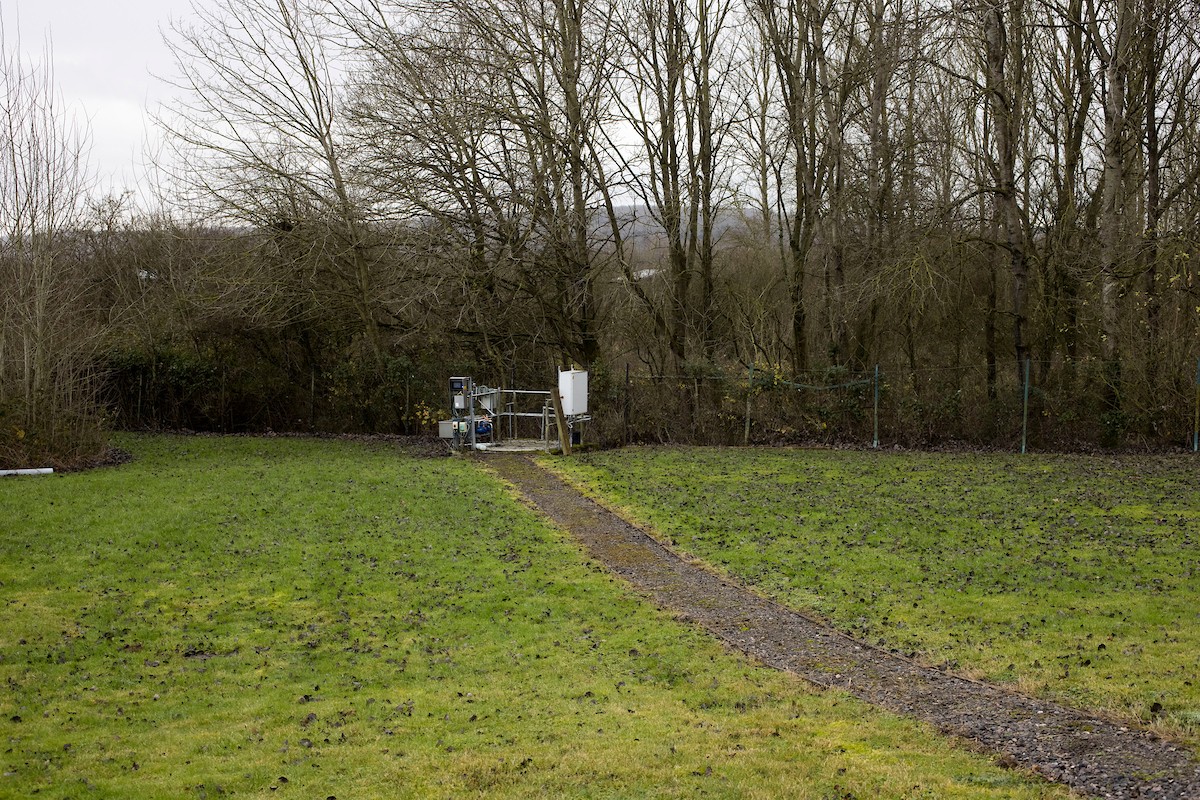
(1093, 756)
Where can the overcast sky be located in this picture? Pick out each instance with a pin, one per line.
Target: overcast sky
(105, 52)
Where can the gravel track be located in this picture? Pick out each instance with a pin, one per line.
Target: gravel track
(1094, 756)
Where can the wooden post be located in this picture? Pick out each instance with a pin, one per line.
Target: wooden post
(564, 435)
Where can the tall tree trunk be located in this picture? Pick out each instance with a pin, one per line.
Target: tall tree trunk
(1003, 32)
(581, 295)
(1151, 74)
(1115, 56)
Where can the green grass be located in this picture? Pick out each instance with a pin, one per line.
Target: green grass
(1073, 577)
(281, 617)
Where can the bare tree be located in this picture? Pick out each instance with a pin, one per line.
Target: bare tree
(1002, 31)
(919, 180)
(794, 31)
(1112, 29)
(47, 334)
(675, 93)
(435, 115)
(492, 112)
(259, 141)
(1168, 68)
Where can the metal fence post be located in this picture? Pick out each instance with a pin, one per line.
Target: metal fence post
(875, 444)
(1196, 422)
(625, 409)
(749, 390)
(1025, 410)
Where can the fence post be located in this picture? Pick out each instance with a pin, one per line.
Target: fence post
(749, 390)
(1025, 409)
(875, 443)
(625, 409)
(696, 411)
(1196, 423)
(560, 422)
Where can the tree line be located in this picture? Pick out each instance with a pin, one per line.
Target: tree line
(363, 197)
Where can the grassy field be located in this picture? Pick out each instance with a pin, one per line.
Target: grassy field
(1071, 577)
(281, 617)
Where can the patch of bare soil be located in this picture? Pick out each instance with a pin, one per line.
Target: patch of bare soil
(1093, 756)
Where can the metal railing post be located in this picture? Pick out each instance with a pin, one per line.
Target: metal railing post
(1025, 410)
(875, 443)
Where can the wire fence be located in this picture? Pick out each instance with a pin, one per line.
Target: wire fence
(1056, 404)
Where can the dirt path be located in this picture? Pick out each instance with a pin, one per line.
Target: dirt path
(1093, 756)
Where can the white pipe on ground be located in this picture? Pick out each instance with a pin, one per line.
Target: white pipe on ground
(38, 471)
